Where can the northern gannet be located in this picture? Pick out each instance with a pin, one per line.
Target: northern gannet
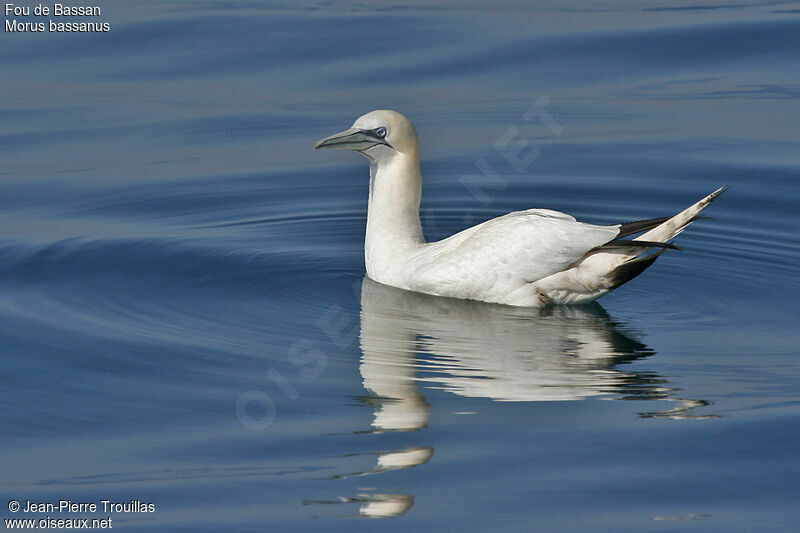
(525, 258)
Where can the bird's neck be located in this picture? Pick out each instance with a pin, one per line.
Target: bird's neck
(393, 226)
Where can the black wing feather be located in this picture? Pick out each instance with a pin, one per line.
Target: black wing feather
(638, 226)
(627, 271)
(625, 243)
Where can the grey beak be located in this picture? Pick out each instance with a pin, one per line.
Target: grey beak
(352, 139)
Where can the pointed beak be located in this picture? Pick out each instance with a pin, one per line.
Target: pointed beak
(352, 139)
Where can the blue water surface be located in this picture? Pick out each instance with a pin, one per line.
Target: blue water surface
(184, 318)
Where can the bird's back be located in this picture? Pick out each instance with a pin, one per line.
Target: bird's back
(497, 260)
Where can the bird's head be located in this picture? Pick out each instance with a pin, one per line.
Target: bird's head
(378, 135)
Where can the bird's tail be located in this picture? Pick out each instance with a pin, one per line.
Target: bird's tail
(607, 268)
(624, 267)
(673, 226)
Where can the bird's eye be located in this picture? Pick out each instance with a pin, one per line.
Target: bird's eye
(381, 132)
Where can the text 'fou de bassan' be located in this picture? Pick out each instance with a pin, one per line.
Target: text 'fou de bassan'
(15, 25)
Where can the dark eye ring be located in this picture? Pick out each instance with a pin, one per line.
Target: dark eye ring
(381, 132)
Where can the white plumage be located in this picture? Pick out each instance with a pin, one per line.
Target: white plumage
(525, 258)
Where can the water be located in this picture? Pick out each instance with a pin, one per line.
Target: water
(184, 319)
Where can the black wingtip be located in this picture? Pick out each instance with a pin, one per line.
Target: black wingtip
(627, 271)
(638, 226)
(624, 243)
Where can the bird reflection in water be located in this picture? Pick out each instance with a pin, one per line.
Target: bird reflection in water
(492, 351)
(481, 350)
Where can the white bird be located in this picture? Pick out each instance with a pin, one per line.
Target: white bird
(525, 258)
